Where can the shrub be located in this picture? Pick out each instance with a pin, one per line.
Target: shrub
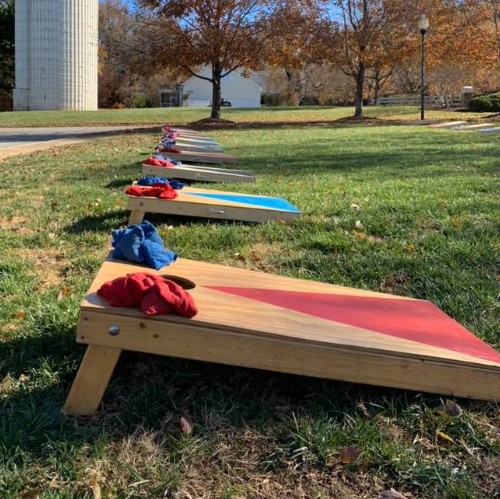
(139, 101)
(272, 99)
(488, 102)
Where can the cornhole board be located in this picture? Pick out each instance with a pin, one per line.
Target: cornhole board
(208, 203)
(201, 157)
(253, 319)
(194, 140)
(447, 124)
(491, 130)
(199, 173)
(184, 132)
(185, 146)
(474, 127)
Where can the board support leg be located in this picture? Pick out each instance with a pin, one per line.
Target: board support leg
(136, 217)
(91, 380)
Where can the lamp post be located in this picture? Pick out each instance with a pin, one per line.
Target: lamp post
(423, 25)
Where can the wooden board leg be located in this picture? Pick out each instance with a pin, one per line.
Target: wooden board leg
(136, 217)
(91, 380)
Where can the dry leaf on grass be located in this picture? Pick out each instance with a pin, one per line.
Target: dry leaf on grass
(452, 408)
(186, 425)
(391, 494)
(63, 293)
(349, 454)
(443, 436)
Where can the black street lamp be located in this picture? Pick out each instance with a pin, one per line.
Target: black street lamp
(423, 25)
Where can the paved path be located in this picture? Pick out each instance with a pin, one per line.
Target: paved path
(25, 140)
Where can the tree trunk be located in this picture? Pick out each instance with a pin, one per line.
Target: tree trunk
(358, 100)
(376, 92)
(216, 93)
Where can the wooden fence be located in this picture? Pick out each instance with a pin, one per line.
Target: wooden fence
(414, 100)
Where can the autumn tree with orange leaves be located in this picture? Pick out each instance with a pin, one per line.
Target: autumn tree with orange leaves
(224, 34)
(365, 38)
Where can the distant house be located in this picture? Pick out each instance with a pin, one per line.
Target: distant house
(171, 95)
(235, 89)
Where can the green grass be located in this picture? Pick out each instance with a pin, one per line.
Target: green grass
(428, 206)
(182, 116)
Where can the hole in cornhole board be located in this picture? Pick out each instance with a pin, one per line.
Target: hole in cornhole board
(181, 281)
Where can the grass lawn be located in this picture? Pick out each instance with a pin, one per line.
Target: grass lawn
(183, 116)
(428, 211)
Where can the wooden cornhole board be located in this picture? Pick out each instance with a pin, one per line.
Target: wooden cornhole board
(208, 203)
(195, 140)
(252, 319)
(199, 173)
(491, 130)
(447, 124)
(187, 146)
(201, 157)
(192, 134)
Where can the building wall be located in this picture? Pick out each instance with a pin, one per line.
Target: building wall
(56, 55)
(239, 91)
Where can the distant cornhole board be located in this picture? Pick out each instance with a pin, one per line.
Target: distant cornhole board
(447, 124)
(252, 319)
(207, 203)
(201, 157)
(491, 130)
(200, 173)
(472, 126)
(188, 146)
(196, 140)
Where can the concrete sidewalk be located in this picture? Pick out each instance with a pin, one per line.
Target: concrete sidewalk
(15, 141)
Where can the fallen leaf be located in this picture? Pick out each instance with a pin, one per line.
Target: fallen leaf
(255, 257)
(20, 314)
(186, 425)
(391, 494)
(358, 234)
(63, 293)
(349, 454)
(94, 484)
(452, 408)
(443, 436)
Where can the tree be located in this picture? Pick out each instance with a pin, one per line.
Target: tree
(7, 70)
(224, 34)
(118, 53)
(367, 40)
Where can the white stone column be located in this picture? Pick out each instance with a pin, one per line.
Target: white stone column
(56, 54)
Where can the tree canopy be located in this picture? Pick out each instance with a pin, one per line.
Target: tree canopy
(6, 46)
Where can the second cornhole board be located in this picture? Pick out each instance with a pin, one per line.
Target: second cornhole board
(208, 203)
(259, 320)
(202, 157)
(199, 173)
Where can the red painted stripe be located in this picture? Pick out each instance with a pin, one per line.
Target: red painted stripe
(416, 320)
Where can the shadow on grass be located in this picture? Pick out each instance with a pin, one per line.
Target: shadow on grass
(105, 222)
(384, 164)
(109, 221)
(149, 392)
(119, 183)
(346, 122)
